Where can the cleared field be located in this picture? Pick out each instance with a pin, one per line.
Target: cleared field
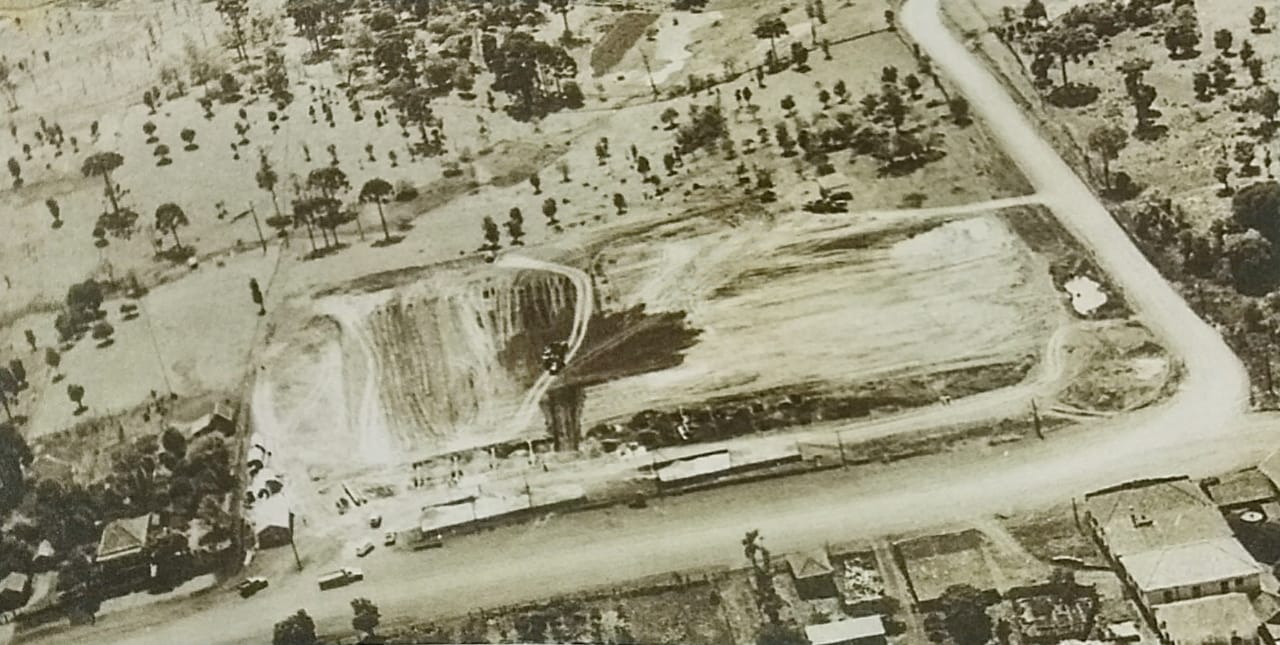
(828, 302)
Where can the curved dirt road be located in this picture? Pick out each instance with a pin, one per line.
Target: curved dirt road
(1216, 388)
(1203, 429)
(583, 306)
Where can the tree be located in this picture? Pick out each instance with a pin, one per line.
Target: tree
(169, 218)
(1257, 206)
(1223, 40)
(912, 83)
(15, 454)
(1222, 172)
(174, 442)
(366, 616)
(770, 28)
(189, 137)
(799, 56)
(620, 203)
(31, 338)
(1068, 43)
(331, 182)
(55, 211)
(965, 615)
(255, 293)
(298, 629)
(16, 171)
(1035, 11)
(1108, 141)
(267, 178)
(76, 394)
(233, 13)
(492, 236)
(102, 164)
(536, 182)
(1267, 104)
(53, 359)
(1245, 152)
(515, 226)
(1258, 20)
(562, 7)
(149, 129)
(1182, 37)
(549, 208)
(378, 191)
(1252, 262)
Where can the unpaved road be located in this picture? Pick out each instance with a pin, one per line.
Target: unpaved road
(1203, 429)
(583, 307)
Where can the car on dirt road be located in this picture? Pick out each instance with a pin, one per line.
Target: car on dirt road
(375, 521)
(250, 586)
(553, 357)
(390, 539)
(364, 549)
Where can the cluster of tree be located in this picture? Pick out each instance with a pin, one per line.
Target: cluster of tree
(537, 75)
(82, 309)
(300, 629)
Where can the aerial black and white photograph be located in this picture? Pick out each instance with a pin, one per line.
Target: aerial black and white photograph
(640, 322)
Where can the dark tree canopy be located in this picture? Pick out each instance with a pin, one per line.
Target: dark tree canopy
(1257, 206)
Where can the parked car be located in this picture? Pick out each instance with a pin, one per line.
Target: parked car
(390, 539)
(364, 549)
(250, 586)
(375, 521)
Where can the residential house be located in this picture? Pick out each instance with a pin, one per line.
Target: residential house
(15, 590)
(124, 539)
(221, 419)
(272, 522)
(813, 574)
(867, 630)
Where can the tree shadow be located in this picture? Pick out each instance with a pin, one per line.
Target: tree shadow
(385, 242)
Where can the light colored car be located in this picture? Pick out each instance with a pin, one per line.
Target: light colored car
(389, 540)
(364, 549)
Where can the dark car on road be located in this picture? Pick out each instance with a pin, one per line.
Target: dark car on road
(250, 586)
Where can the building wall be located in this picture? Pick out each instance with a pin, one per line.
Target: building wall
(1250, 585)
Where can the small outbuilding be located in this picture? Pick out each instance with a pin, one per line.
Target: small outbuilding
(15, 590)
(867, 630)
(812, 573)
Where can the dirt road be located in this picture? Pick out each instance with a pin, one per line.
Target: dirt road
(584, 304)
(1216, 389)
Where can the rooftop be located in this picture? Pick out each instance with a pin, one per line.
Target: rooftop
(123, 537)
(1240, 488)
(14, 582)
(1150, 515)
(1190, 564)
(271, 512)
(1209, 619)
(842, 631)
(810, 564)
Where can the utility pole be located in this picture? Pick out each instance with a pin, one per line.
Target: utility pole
(258, 226)
(844, 463)
(1035, 420)
(297, 560)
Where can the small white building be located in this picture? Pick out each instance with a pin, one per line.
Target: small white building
(867, 630)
